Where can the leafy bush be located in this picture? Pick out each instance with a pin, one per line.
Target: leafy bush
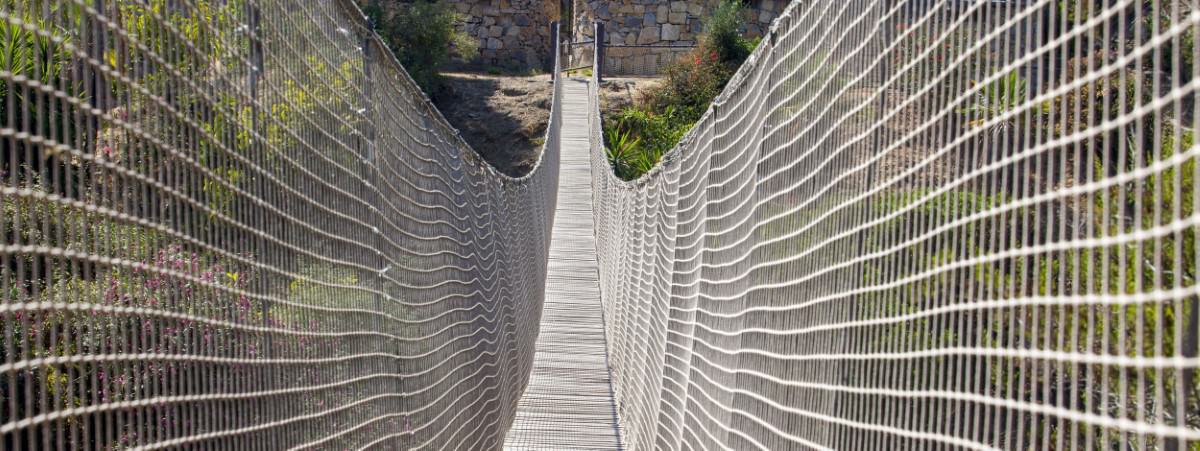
(637, 139)
(664, 114)
(722, 34)
(689, 87)
(423, 37)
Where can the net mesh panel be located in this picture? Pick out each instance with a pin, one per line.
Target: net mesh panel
(620, 60)
(920, 224)
(238, 224)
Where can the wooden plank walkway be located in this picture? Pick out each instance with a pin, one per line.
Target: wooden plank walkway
(568, 404)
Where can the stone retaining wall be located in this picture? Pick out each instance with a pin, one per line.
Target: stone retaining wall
(511, 33)
(516, 33)
(658, 23)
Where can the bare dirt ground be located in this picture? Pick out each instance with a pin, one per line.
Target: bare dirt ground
(504, 117)
(617, 94)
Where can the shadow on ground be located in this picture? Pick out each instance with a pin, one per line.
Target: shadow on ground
(502, 117)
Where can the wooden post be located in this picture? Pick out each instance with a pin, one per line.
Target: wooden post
(554, 30)
(598, 46)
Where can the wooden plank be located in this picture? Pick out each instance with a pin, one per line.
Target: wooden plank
(568, 404)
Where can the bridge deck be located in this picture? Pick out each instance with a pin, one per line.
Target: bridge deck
(569, 402)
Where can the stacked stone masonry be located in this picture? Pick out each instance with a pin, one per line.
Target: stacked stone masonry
(657, 23)
(516, 33)
(511, 33)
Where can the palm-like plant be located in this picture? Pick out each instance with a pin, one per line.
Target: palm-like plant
(995, 99)
(624, 153)
(27, 54)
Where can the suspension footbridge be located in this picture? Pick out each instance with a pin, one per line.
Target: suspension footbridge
(569, 401)
(904, 224)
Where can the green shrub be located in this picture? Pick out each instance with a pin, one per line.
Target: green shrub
(638, 139)
(639, 136)
(623, 151)
(423, 37)
(689, 87)
(722, 34)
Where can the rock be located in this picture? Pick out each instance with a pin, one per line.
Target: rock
(679, 7)
(677, 18)
(669, 32)
(495, 31)
(633, 22)
(648, 35)
(662, 12)
(494, 44)
(649, 19)
(766, 16)
(522, 20)
(531, 57)
(696, 26)
(630, 39)
(697, 9)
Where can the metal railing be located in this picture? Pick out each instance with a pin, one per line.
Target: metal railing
(580, 55)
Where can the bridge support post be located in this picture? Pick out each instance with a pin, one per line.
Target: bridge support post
(598, 47)
(554, 38)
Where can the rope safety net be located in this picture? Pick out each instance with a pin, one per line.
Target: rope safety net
(238, 224)
(920, 224)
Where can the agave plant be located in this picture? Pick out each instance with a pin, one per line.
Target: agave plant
(995, 99)
(623, 151)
